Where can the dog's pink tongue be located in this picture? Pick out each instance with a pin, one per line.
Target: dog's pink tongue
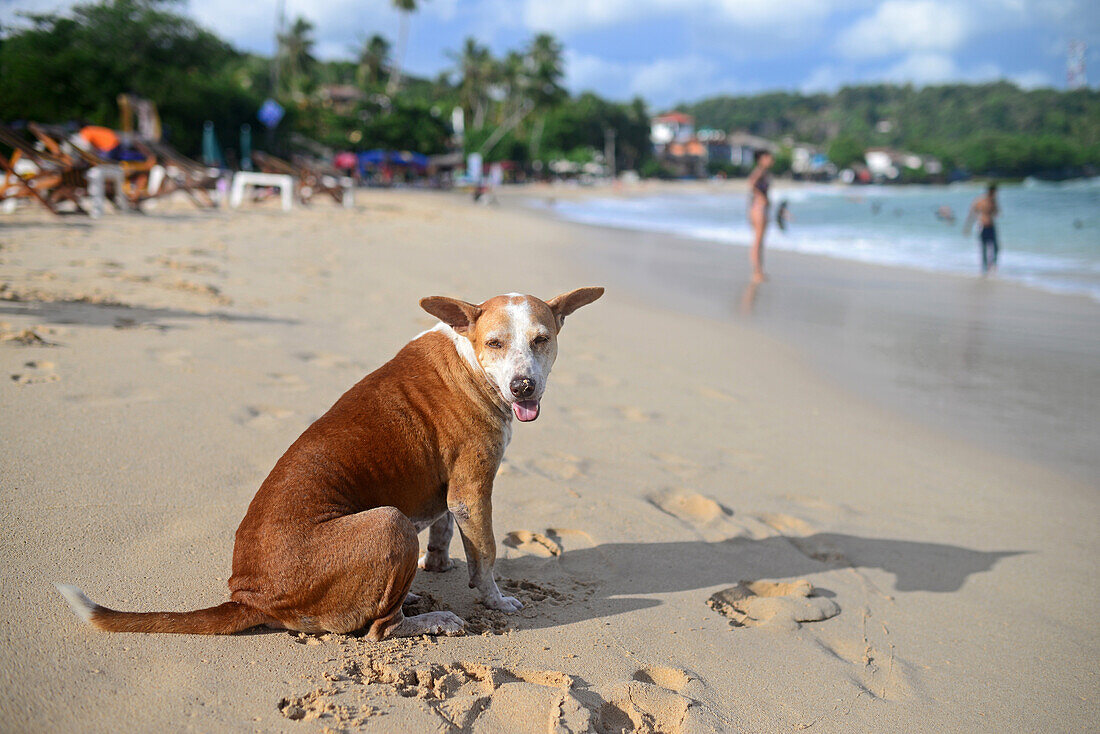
(526, 410)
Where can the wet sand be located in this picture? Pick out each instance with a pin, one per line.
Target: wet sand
(690, 471)
(1009, 367)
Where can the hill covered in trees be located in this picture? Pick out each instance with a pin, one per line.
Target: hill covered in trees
(996, 128)
(71, 66)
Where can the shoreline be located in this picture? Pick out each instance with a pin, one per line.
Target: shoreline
(917, 373)
(546, 197)
(680, 451)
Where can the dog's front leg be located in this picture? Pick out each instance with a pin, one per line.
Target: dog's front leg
(473, 512)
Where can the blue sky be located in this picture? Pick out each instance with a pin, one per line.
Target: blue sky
(669, 51)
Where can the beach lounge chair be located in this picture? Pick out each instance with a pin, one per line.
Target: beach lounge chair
(311, 178)
(52, 178)
(184, 174)
(141, 180)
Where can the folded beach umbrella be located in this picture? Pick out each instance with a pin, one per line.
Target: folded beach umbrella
(211, 153)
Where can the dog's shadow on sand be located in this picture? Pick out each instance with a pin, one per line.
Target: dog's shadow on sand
(615, 578)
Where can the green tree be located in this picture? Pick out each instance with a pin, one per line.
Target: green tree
(844, 151)
(296, 57)
(545, 73)
(406, 8)
(476, 72)
(56, 67)
(373, 62)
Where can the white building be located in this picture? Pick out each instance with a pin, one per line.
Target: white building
(671, 127)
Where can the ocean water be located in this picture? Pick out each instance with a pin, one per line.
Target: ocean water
(1049, 232)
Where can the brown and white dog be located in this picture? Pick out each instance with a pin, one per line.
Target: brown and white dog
(329, 542)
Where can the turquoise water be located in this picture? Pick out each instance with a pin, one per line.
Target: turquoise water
(1049, 232)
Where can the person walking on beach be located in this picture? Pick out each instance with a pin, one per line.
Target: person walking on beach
(758, 211)
(985, 210)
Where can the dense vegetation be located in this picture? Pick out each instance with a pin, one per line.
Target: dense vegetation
(989, 128)
(72, 66)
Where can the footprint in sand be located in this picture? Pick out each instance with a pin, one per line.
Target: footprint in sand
(677, 465)
(674, 679)
(587, 379)
(24, 337)
(558, 466)
(786, 524)
(535, 544)
(286, 380)
(467, 696)
(264, 417)
(120, 396)
(711, 393)
(710, 519)
(689, 506)
(776, 604)
(635, 414)
(640, 706)
(171, 356)
(256, 341)
(329, 360)
(546, 567)
(36, 372)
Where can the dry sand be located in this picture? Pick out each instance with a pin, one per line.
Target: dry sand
(709, 534)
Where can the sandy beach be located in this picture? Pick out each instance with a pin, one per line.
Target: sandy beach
(858, 499)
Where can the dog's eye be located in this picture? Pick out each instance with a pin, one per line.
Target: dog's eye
(494, 344)
(540, 340)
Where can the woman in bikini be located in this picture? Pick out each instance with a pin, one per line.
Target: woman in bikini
(758, 211)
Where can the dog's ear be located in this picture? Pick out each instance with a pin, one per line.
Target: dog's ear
(457, 314)
(565, 304)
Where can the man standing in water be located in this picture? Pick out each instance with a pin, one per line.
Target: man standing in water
(758, 211)
(985, 209)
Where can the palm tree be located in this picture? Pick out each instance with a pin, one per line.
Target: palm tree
(510, 80)
(545, 70)
(296, 50)
(374, 60)
(406, 8)
(475, 67)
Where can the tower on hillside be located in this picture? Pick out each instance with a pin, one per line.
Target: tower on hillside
(1075, 65)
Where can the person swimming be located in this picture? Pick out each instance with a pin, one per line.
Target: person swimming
(783, 215)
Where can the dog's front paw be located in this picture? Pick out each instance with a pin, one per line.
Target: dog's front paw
(436, 563)
(509, 604)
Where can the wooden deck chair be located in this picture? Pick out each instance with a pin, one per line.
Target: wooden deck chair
(185, 174)
(136, 173)
(310, 181)
(49, 179)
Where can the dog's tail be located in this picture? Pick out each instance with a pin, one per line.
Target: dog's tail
(224, 619)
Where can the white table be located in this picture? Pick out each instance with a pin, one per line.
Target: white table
(243, 179)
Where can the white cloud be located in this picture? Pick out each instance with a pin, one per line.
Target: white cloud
(564, 16)
(906, 26)
(661, 81)
(923, 68)
(826, 78)
(567, 16)
(673, 79)
(1031, 79)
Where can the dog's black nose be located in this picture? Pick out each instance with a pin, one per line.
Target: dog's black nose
(523, 387)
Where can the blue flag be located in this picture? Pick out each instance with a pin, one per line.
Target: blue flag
(270, 113)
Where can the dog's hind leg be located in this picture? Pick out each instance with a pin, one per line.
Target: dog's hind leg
(358, 575)
(437, 557)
